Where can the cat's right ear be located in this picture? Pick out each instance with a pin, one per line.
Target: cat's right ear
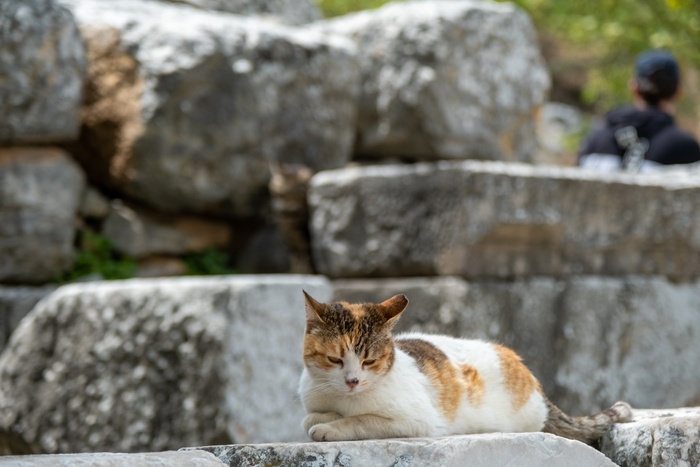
(314, 310)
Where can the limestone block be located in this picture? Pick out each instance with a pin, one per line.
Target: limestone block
(40, 193)
(103, 459)
(149, 365)
(498, 220)
(591, 341)
(523, 450)
(288, 11)
(656, 438)
(186, 107)
(94, 204)
(42, 71)
(446, 80)
(15, 303)
(140, 233)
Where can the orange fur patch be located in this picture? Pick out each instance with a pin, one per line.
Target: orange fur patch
(517, 377)
(356, 310)
(475, 385)
(318, 350)
(438, 368)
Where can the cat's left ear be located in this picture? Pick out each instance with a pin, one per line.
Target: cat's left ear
(392, 308)
(314, 310)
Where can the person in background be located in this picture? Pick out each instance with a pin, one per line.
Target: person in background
(644, 137)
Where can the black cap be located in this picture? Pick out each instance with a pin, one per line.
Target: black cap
(657, 75)
(653, 62)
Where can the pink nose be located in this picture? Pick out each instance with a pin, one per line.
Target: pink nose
(352, 382)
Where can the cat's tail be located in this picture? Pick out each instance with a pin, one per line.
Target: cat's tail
(586, 429)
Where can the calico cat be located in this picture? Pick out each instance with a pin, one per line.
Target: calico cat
(361, 382)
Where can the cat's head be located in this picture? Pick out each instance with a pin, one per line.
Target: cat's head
(349, 346)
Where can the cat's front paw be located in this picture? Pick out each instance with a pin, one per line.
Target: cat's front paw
(319, 417)
(326, 432)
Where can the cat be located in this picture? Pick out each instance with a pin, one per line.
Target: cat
(361, 382)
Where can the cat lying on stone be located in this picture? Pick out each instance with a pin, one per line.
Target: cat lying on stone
(362, 382)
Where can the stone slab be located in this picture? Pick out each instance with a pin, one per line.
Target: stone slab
(151, 459)
(523, 450)
(157, 364)
(496, 220)
(656, 438)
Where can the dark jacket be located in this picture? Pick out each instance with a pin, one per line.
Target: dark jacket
(667, 143)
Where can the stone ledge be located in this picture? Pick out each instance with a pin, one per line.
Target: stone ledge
(656, 437)
(151, 459)
(521, 449)
(496, 220)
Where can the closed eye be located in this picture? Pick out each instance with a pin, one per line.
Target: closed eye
(369, 362)
(336, 361)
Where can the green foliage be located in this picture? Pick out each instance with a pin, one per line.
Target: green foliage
(613, 32)
(211, 261)
(97, 256)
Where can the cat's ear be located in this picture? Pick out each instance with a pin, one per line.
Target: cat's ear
(314, 310)
(392, 308)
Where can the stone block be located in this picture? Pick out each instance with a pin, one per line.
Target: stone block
(150, 365)
(656, 438)
(41, 190)
(446, 80)
(523, 450)
(498, 220)
(186, 108)
(103, 459)
(15, 304)
(288, 11)
(140, 233)
(42, 71)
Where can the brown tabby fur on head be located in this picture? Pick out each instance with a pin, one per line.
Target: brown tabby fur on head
(335, 329)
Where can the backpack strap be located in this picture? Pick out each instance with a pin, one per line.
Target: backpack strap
(635, 148)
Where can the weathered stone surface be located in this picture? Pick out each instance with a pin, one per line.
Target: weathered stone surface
(15, 303)
(289, 11)
(158, 364)
(264, 252)
(590, 340)
(489, 219)
(446, 80)
(42, 69)
(40, 192)
(140, 233)
(656, 438)
(185, 108)
(528, 449)
(555, 123)
(94, 204)
(161, 266)
(151, 459)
